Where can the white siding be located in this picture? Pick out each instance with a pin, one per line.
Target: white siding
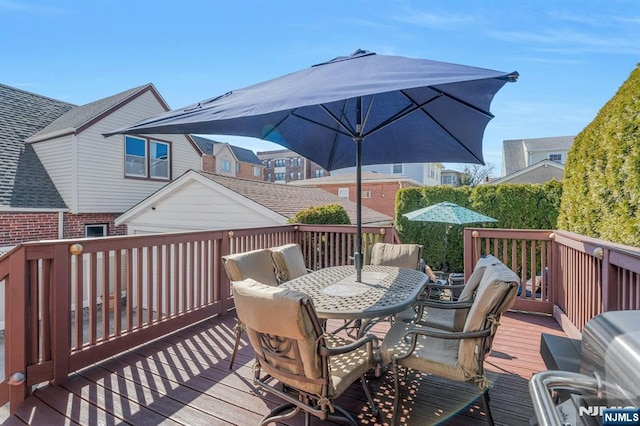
(56, 157)
(197, 207)
(102, 186)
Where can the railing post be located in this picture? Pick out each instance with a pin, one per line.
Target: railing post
(555, 276)
(610, 284)
(61, 312)
(468, 251)
(223, 279)
(16, 302)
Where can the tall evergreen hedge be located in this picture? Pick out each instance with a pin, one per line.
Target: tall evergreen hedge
(515, 206)
(602, 173)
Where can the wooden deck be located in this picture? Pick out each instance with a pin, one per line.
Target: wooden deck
(184, 378)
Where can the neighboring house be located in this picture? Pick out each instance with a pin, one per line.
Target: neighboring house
(231, 160)
(519, 154)
(60, 178)
(283, 166)
(425, 173)
(540, 172)
(198, 201)
(378, 189)
(451, 177)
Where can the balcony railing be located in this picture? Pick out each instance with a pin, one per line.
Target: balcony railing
(71, 303)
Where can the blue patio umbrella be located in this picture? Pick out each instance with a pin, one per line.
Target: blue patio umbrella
(449, 213)
(402, 110)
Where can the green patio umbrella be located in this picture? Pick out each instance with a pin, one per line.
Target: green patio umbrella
(449, 213)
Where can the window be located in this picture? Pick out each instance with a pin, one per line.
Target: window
(366, 194)
(343, 193)
(279, 176)
(225, 165)
(269, 164)
(280, 162)
(256, 171)
(447, 180)
(397, 168)
(237, 167)
(299, 161)
(291, 176)
(268, 177)
(556, 157)
(95, 230)
(292, 162)
(146, 158)
(299, 175)
(319, 173)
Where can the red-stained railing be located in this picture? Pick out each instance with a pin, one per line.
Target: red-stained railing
(576, 277)
(71, 303)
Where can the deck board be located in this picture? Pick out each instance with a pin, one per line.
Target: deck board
(184, 378)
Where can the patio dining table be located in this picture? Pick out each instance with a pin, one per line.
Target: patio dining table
(382, 291)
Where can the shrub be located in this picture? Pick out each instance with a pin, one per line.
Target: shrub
(330, 214)
(602, 175)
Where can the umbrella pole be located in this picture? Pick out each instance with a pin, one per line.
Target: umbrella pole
(358, 140)
(359, 258)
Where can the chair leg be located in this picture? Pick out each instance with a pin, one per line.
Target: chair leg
(235, 349)
(396, 397)
(485, 397)
(374, 408)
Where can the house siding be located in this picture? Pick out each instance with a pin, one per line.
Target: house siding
(102, 186)
(56, 155)
(196, 207)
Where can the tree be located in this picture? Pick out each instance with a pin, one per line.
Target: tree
(474, 174)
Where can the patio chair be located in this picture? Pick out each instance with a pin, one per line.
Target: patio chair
(255, 264)
(289, 262)
(455, 355)
(401, 255)
(295, 359)
(448, 315)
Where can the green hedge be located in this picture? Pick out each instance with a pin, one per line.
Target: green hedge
(330, 214)
(515, 206)
(602, 172)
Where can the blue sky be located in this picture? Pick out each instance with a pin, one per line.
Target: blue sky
(571, 55)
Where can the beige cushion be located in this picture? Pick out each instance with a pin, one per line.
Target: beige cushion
(289, 261)
(278, 311)
(400, 255)
(470, 288)
(256, 264)
(495, 293)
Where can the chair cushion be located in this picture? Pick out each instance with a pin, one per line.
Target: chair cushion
(470, 288)
(289, 261)
(346, 368)
(278, 311)
(400, 255)
(255, 264)
(431, 355)
(495, 294)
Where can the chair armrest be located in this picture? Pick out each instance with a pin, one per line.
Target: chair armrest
(442, 304)
(443, 334)
(440, 286)
(336, 350)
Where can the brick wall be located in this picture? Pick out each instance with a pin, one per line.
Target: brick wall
(383, 195)
(74, 224)
(17, 228)
(246, 172)
(208, 163)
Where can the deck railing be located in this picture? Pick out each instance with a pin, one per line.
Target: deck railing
(576, 277)
(71, 303)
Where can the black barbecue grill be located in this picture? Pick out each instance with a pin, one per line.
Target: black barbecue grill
(609, 376)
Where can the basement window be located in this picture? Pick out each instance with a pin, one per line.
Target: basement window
(95, 230)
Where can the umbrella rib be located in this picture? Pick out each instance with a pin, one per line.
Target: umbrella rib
(401, 114)
(350, 132)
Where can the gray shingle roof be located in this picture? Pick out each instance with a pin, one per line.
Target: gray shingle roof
(24, 182)
(81, 115)
(288, 200)
(242, 154)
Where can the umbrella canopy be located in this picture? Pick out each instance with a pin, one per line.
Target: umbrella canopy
(403, 110)
(448, 213)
